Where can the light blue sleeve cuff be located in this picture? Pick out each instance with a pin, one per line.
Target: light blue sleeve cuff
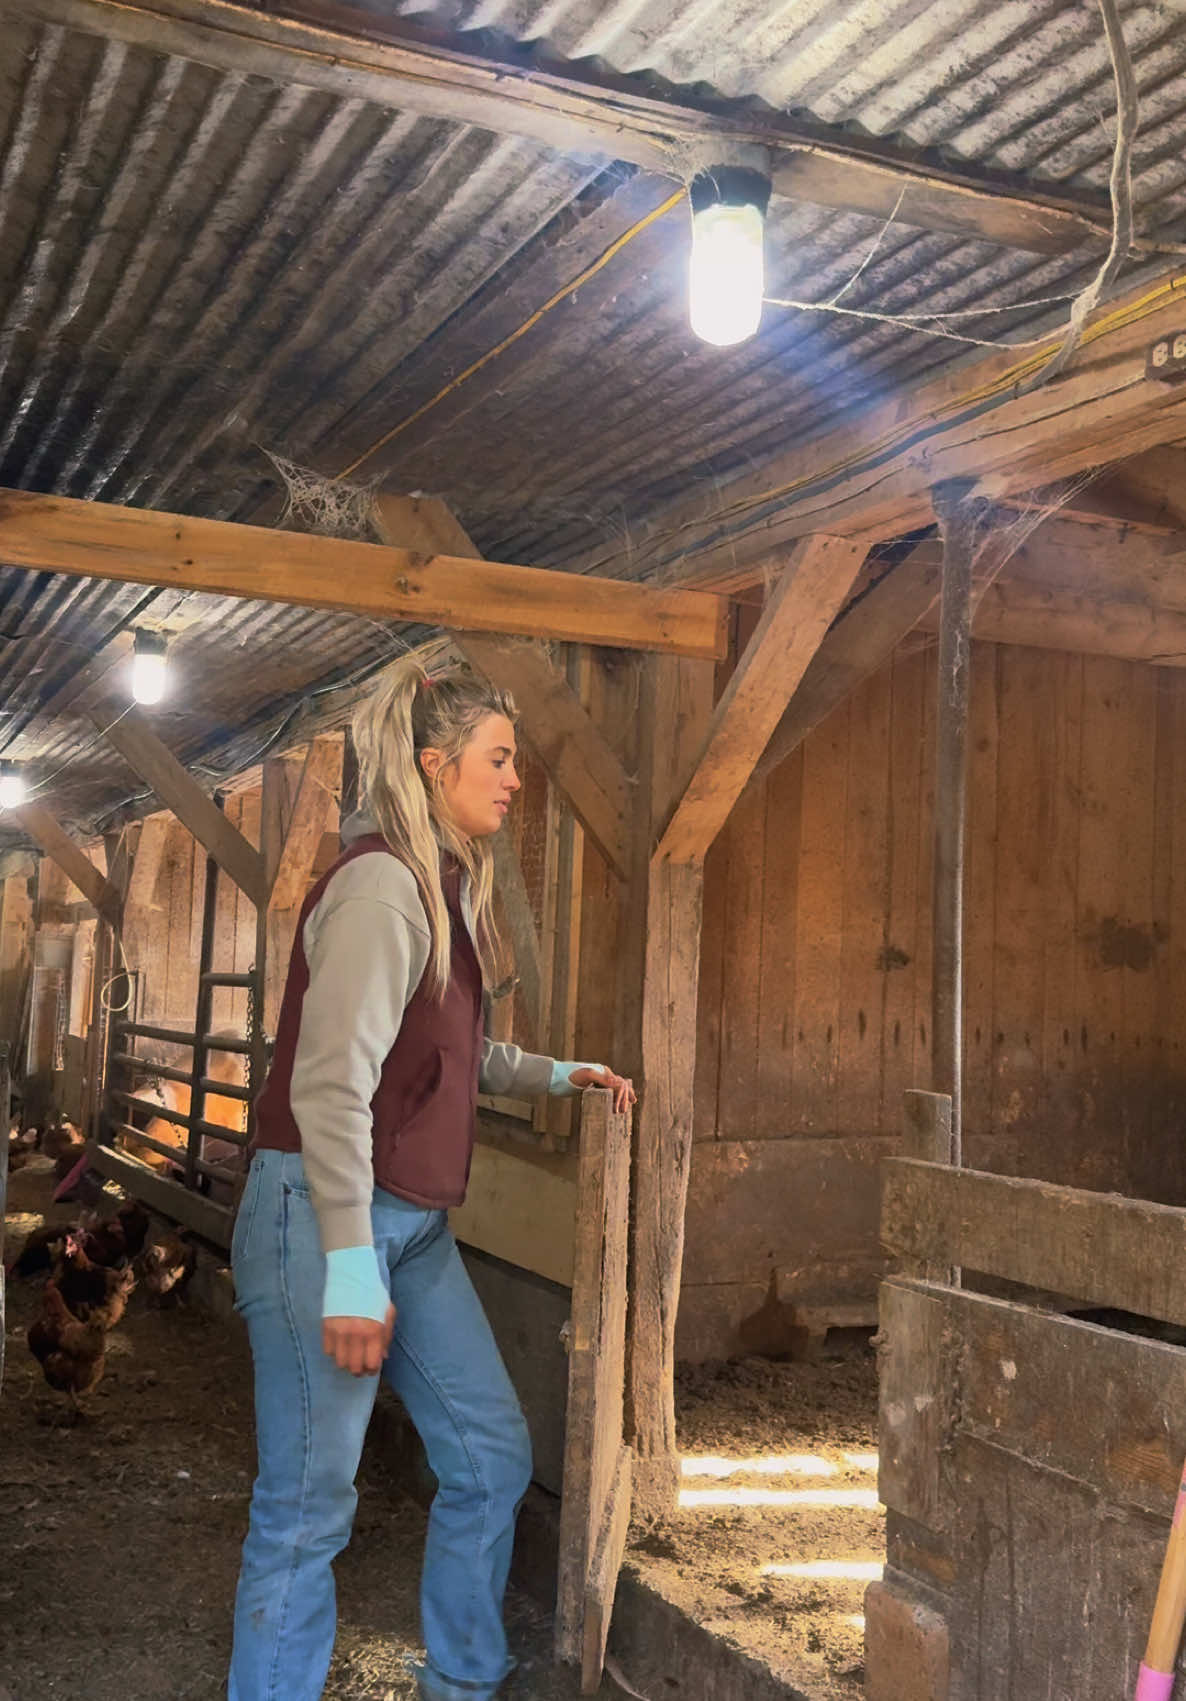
(353, 1285)
(560, 1087)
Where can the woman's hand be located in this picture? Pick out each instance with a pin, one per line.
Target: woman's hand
(358, 1344)
(622, 1089)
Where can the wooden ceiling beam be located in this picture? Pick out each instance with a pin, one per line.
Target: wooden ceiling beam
(353, 54)
(53, 839)
(1018, 612)
(58, 534)
(797, 614)
(872, 476)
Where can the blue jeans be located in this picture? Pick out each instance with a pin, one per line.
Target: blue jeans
(311, 1419)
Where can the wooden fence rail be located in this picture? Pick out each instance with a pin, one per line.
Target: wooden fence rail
(1099, 1248)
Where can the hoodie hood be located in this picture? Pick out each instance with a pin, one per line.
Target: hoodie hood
(357, 826)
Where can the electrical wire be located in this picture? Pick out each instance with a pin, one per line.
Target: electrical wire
(922, 325)
(1128, 121)
(41, 785)
(590, 271)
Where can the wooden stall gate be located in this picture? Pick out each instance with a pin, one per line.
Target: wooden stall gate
(1030, 1459)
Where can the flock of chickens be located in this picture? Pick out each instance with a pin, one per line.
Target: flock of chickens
(93, 1264)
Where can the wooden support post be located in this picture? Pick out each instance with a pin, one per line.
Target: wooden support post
(957, 518)
(595, 1509)
(926, 1126)
(524, 935)
(655, 1042)
(926, 1134)
(274, 783)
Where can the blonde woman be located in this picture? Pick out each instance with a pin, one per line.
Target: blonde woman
(345, 1268)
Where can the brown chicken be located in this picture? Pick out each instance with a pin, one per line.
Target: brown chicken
(94, 1294)
(166, 1265)
(71, 1353)
(39, 1250)
(117, 1240)
(112, 1243)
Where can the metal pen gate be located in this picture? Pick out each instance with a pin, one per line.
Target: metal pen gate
(200, 1195)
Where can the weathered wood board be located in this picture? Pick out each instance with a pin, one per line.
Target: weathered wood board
(1098, 1248)
(595, 1505)
(1029, 1466)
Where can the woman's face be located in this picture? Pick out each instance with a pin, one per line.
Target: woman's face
(477, 788)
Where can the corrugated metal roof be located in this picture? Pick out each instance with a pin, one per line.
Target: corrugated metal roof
(199, 266)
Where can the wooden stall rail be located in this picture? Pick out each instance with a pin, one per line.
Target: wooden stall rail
(1100, 1249)
(1030, 1457)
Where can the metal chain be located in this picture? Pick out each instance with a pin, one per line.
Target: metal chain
(252, 1028)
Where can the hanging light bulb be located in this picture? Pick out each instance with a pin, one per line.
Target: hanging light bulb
(727, 278)
(149, 664)
(12, 786)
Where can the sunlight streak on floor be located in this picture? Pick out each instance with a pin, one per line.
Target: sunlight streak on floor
(769, 1464)
(862, 1461)
(864, 1498)
(837, 1570)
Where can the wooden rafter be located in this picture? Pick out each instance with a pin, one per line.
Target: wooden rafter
(351, 54)
(61, 849)
(320, 775)
(57, 534)
(797, 614)
(157, 766)
(865, 636)
(553, 720)
(150, 849)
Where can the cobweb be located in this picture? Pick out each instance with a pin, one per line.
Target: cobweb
(331, 507)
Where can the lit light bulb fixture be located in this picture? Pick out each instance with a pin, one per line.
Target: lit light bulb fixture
(727, 276)
(149, 665)
(12, 786)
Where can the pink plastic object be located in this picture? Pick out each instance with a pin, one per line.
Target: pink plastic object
(70, 1181)
(1154, 1685)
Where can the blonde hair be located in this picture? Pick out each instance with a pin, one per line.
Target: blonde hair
(412, 710)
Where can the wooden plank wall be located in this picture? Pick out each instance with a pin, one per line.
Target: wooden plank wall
(815, 983)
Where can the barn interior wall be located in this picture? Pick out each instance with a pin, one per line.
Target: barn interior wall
(815, 974)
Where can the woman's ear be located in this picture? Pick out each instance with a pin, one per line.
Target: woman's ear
(430, 763)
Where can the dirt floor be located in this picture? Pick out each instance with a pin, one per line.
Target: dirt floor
(122, 1533)
(771, 1430)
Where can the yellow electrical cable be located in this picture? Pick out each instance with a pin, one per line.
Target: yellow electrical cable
(1117, 320)
(614, 248)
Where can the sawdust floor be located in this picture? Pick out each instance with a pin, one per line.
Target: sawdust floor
(779, 1531)
(122, 1534)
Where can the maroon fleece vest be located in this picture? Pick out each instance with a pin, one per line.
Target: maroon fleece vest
(422, 1114)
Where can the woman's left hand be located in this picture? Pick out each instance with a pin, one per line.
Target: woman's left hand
(622, 1089)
